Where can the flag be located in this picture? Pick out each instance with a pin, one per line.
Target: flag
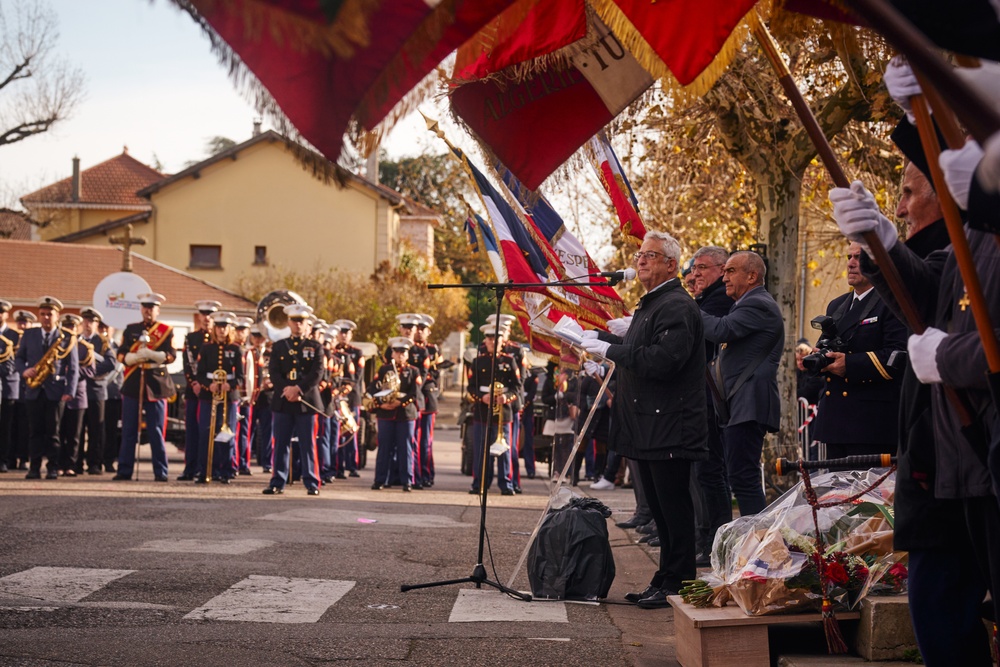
(492, 249)
(533, 125)
(313, 62)
(609, 171)
(691, 42)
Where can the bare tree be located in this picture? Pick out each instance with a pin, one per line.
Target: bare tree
(37, 88)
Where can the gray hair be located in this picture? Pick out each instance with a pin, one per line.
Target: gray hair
(718, 254)
(754, 262)
(671, 248)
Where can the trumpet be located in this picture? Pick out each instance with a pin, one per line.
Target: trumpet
(500, 445)
(46, 366)
(219, 376)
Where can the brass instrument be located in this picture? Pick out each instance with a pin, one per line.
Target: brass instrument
(500, 445)
(9, 351)
(46, 366)
(348, 424)
(219, 376)
(271, 313)
(388, 390)
(88, 358)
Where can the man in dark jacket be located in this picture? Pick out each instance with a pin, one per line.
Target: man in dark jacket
(750, 339)
(658, 415)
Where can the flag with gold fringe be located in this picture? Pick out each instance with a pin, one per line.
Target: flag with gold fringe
(609, 170)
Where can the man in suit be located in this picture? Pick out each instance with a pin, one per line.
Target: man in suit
(745, 374)
(46, 403)
(147, 360)
(9, 388)
(862, 380)
(658, 413)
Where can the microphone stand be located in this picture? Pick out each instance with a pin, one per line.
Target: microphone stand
(479, 576)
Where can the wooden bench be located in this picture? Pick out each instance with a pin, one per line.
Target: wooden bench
(726, 637)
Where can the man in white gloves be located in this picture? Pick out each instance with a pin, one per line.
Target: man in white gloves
(658, 414)
(148, 358)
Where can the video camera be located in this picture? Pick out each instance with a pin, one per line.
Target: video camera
(829, 341)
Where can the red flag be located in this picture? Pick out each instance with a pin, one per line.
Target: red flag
(614, 180)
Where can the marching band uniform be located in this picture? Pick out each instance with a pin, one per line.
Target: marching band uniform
(328, 434)
(396, 425)
(192, 346)
(227, 357)
(10, 384)
(148, 361)
(247, 389)
(354, 375)
(416, 357)
(484, 424)
(20, 442)
(92, 363)
(97, 396)
(112, 406)
(262, 403)
(296, 361)
(423, 470)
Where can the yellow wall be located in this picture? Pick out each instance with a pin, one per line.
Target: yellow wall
(265, 198)
(67, 221)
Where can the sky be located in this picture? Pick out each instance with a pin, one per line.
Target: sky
(152, 84)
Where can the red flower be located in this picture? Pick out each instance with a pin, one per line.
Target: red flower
(898, 571)
(836, 573)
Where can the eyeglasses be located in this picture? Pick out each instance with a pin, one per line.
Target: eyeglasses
(648, 254)
(704, 267)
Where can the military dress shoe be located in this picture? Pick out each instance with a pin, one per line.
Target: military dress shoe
(33, 474)
(635, 597)
(109, 467)
(646, 538)
(224, 480)
(185, 478)
(646, 528)
(312, 492)
(246, 471)
(340, 475)
(657, 600)
(654, 541)
(160, 478)
(69, 473)
(634, 522)
(517, 489)
(95, 471)
(52, 474)
(377, 487)
(200, 480)
(507, 492)
(3, 467)
(353, 473)
(273, 491)
(407, 488)
(120, 477)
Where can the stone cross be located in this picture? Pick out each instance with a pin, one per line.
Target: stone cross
(126, 241)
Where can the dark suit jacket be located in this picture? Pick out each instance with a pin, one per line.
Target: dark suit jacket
(67, 374)
(856, 408)
(97, 381)
(659, 410)
(753, 325)
(10, 383)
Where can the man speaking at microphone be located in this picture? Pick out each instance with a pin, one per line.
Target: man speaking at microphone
(658, 415)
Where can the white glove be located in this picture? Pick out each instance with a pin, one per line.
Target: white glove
(958, 167)
(593, 368)
(594, 346)
(132, 358)
(988, 172)
(922, 350)
(902, 84)
(985, 79)
(158, 357)
(855, 211)
(590, 334)
(619, 326)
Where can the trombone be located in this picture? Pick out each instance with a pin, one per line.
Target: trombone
(225, 433)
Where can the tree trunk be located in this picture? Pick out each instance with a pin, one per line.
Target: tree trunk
(778, 194)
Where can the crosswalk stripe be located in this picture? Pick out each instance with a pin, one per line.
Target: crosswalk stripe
(59, 584)
(224, 547)
(260, 599)
(480, 604)
(375, 519)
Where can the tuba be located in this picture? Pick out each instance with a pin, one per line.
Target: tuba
(46, 366)
(271, 313)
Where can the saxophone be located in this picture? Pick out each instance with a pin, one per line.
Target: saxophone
(46, 366)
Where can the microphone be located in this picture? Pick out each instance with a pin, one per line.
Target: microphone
(615, 277)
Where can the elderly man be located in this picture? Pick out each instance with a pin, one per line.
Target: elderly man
(658, 414)
(745, 374)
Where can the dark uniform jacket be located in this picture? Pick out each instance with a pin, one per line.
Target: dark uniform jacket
(192, 346)
(64, 380)
(10, 383)
(659, 410)
(158, 380)
(97, 382)
(853, 409)
(7, 370)
(430, 388)
(299, 362)
(215, 356)
(752, 333)
(479, 376)
(409, 389)
(354, 372)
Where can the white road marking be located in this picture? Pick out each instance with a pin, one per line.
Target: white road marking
(344, 517)
(474, 604)
(259, 599)
(225, 547)
(550, 639)
(58, 584)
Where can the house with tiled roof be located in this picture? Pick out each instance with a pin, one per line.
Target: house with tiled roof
(14, 225)
(89, 204)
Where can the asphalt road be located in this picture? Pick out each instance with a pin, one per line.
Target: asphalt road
(95, 572)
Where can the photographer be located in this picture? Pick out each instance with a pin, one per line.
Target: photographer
(858, 406)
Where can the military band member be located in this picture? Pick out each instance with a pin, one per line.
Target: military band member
(113, 404)
(192, 346)
(146, 364)
(247, 389)
(92, 363)
(264, 392)
(20, 440)
(10, 382)
(484, 423)
(46, 403)
(517, 352)
(295, 368)
(219, 354)
(353, 388)
(423, 469)
(97, 393)
(397, 415)
(327, 429)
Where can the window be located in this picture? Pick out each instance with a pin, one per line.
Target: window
(260, 255)
(205, 257)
